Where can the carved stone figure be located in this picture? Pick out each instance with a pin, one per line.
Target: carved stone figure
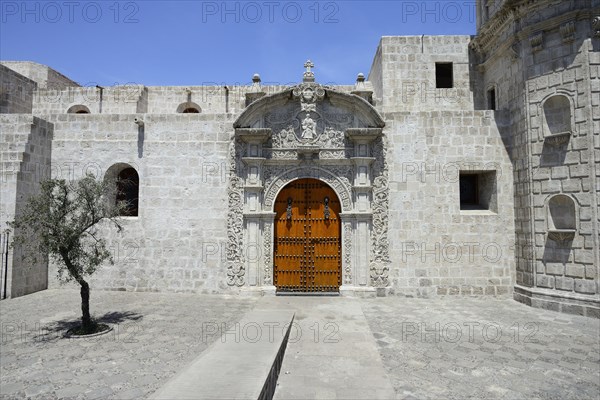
(308, 128)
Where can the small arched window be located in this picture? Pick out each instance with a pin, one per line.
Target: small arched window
(126, 183)
(78, 109)
(189, 107)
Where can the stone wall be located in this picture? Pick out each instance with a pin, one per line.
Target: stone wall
(536, 156)
(16, 92)
(404, 74)
(542, 67)
(44, 76)
(437, 248)
(177, 243)
(111, 100)
(138, 99)
(25, 159)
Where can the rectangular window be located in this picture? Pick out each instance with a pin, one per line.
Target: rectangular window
(492, 99)
(478, 190)
(443, 75)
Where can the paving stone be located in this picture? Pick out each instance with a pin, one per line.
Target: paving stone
(134, 393)
(506, 369)
(564, 361)
(99, 393)
(101, 363)
(11, 387)
(70, 391)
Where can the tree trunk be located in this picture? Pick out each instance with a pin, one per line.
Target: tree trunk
(86, 320)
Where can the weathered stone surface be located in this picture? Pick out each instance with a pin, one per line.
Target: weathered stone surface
(393, 147)
(339, 347)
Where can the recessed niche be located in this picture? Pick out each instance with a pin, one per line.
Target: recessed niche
(562, 220)
(189, 107)
(557, 120)
(78, 109)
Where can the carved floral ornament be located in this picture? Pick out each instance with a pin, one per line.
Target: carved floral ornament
(567, 31)
(537, 41)
(307, 131)
(379, 274)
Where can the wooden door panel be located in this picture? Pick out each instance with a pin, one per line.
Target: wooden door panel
(307, 245)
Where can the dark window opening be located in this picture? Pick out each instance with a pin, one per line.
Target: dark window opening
(478, 190)
(191, 110)
(492, 99)
(469, 190)
(443, 75)
(128, 183)
(78, 109)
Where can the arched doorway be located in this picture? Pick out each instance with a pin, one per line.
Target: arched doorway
(307, 246)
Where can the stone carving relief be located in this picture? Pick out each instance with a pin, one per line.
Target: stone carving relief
(303, 132)
(537, 42)
(235, 220)
(333, 154)
(379, 275)
(288, 138)
(338, 177)
(567, 31)
(267, 240)
(380, 244)
(309, 125)
(347, 253)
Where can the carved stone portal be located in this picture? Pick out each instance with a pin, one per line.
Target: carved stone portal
(308, 131)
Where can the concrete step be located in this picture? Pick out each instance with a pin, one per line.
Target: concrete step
(242, 364)
(331, 353)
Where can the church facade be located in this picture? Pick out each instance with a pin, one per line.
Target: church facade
(461, 165)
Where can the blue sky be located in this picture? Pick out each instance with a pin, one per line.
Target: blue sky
(216, 42)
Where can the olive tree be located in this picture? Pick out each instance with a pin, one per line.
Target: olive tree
(62, 222)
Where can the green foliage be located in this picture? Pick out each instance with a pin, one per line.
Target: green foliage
(62, 222)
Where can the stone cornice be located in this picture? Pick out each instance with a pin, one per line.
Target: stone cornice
(513, 10)
(488, 32)
(485, 45)
(259, 135)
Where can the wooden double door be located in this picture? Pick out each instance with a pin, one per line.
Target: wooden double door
(307, 238)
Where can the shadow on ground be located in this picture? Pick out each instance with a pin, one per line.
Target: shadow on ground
(56, 330)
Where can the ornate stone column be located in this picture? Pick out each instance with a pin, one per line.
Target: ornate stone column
(359, 223)
(258, 225)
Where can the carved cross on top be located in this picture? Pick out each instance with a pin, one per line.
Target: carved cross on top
(309, 76)
(308, 65)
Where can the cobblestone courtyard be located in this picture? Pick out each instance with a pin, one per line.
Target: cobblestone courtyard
(155, 335)
(443, 348)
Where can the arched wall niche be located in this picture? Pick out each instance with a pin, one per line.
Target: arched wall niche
(562, 213)
(558, 115)
(78, 109)
(189, 107)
